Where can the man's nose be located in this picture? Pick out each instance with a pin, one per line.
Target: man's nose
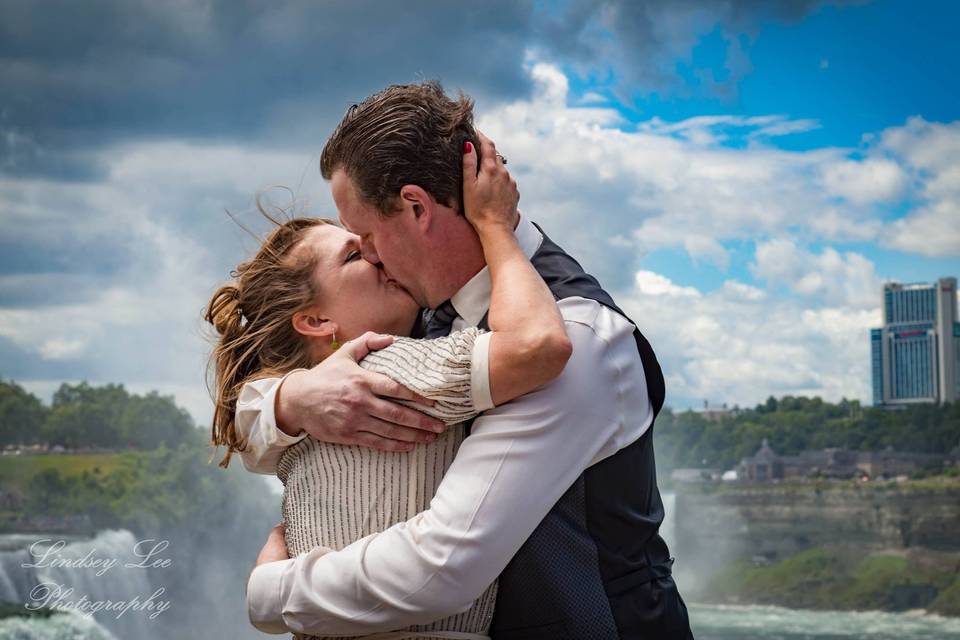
(369, 253)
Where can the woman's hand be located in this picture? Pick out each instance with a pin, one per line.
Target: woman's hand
(529, 345)
(490, 196)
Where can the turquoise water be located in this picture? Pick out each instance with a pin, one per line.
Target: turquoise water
(730, 622)
(709, 623)
(63, 626)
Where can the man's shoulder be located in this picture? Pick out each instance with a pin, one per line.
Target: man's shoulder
(603, 320)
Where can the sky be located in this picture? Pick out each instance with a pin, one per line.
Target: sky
(742, 176)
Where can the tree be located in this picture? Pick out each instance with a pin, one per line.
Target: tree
(770, 406)
(81, 425)
(82, 415)
(151, 420)
(21, 415)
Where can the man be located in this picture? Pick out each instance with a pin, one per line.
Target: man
(554, 492)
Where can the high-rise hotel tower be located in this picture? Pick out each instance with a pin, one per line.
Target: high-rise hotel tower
(916, 354)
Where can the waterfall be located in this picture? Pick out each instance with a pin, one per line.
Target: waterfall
(117, 583)
(61, 626)
(667, 528)
(15, 580)
(689, 579)
(95, 569)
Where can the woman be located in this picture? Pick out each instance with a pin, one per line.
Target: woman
(307, 289)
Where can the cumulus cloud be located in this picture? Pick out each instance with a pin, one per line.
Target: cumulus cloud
(707, 130)
(105, 278)
(281, 72)
(619, 190)
(931, 153)
(737, 344)
(932, 230)
(143, 249)
(649, 283)
(645, 41)
(831, 277)
(865, 182)
(611, 192)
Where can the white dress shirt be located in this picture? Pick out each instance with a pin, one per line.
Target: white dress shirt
(518, 461)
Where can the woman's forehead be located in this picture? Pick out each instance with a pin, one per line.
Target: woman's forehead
(328, 239)
(327, 233)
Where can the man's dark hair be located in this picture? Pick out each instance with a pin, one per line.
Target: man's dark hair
(404, 134)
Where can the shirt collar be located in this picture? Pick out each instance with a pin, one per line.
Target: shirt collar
(472, 301)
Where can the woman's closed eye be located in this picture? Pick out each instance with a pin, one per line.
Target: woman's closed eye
(352, 255)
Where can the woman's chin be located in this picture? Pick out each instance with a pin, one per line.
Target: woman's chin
(403, 313)
(401, 293)
(409, 303)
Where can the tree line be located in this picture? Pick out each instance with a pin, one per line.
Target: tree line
(109, 416)
(82, 416)
(793, 424)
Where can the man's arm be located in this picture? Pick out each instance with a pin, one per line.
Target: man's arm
(335, 401)
(519, 459)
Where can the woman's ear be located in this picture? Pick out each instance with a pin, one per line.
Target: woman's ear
(310, 323)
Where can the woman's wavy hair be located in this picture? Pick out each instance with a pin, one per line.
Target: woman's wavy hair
(252, 317)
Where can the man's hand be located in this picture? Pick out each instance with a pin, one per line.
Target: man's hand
(338, 401)
(276, 547)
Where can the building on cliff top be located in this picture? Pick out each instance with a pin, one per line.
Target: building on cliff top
(717, 414)
(766, 464)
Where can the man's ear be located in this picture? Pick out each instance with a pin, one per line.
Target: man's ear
(312, 324)
(419, 202)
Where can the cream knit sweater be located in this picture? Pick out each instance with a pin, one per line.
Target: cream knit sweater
(336, 494)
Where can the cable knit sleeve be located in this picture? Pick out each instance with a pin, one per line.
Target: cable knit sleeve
(452, 370)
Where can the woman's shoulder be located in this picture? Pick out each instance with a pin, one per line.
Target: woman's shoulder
(452, 351)
(449, 371)
(463, 335)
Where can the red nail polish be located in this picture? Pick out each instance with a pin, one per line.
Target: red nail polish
(467, 147)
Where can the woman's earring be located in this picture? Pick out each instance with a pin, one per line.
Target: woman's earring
(334, 344)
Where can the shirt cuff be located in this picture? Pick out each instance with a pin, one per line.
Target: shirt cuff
(277, 435)
(264, 607)
(480, 373)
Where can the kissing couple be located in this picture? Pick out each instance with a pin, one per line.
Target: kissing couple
(462, 418)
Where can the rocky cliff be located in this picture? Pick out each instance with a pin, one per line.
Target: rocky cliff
(717, 524)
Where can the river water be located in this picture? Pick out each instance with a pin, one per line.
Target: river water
(727, 622)
(709, 622)
(752, 622)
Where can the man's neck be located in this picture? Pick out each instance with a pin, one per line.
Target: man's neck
(463, 259)
(466, 262)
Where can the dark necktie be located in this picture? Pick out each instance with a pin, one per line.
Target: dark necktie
(441, 320)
